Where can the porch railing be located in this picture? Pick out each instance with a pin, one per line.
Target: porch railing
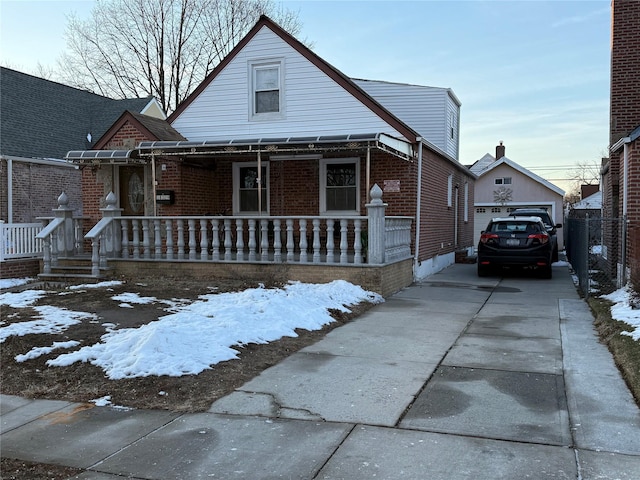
(18, 240)
(357, 240)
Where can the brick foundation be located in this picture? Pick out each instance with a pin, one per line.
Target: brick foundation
(384, 280)
(20, 268)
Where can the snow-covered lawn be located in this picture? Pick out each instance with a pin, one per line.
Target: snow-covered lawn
(194, 335)
(623, 311)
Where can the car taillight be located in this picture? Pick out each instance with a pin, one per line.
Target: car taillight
(485, 237)
(541, 237)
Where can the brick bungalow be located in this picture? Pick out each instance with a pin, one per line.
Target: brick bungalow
(277, 133)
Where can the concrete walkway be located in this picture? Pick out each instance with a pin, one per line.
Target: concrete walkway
(453, 378)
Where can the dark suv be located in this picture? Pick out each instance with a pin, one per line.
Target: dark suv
(515, 242)
(552, 228)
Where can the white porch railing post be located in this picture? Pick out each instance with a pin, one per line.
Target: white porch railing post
(376, 230)
(239, 239)
(157, 239)
(330, 241)
(125, 238)
(344, 245)
(252, 240)
(357, 243)
(192, 239)
(135, 227)
(264, 240)
(180, 239)
(146, 243)
(168, 224)
(303, 241)
(316, 240)
(204, 240)
(112, 237)
(215, 239)
(66, 234)
(290, 242)
(227, 239)
(277, 242)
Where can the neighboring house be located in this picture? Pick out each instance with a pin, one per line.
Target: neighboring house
(40, 121)
(277, 131)
(591, 205)
(503, 186)
(621, 173)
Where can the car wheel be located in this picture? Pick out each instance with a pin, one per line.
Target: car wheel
(546, 272)
(483, 270)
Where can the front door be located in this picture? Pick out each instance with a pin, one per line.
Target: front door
(132, 190)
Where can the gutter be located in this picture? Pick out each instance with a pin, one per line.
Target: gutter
(418, 208)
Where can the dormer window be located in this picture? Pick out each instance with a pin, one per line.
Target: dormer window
(266, 90)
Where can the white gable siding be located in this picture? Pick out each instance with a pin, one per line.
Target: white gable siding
(424, 109)
(313, 103)
(453, 109)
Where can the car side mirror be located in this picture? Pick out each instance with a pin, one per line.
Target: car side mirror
(558, 225)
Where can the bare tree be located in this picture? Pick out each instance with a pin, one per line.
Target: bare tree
(163, 48)
(584, 173)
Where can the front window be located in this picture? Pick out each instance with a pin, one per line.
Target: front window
(340, 185)
(250, 192)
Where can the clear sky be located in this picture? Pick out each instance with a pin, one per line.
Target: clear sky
(534, 74)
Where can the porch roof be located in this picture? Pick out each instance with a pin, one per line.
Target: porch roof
(285, 146)
(96, 157)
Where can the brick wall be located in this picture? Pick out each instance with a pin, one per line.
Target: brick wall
(20, 268)
(633, 213)
(383, 280)
(437, 226)
(625, 68)
(36, 188)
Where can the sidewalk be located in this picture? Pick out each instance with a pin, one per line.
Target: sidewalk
(454, 378)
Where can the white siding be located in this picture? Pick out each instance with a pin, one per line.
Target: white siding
(424, 109)
(314, 103)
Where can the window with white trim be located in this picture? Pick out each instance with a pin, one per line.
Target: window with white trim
(266, 89)
(340, 185)
(450, 191)
(503, 181)
(246, 186)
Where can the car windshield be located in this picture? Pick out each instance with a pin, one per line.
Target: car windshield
(514, 227)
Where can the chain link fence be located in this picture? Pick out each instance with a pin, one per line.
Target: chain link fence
(592, 250)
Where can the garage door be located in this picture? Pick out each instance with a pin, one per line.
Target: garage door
(482, 217)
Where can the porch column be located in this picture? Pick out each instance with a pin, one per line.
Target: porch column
(112, 234)
(66, 233)
(376, 230)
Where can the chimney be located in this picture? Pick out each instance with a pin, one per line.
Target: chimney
(500, 151)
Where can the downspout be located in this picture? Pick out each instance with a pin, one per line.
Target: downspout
(259, 184)
(418, 208)
(625, 177)
(155, 181)
(10, 190)
(368, 174)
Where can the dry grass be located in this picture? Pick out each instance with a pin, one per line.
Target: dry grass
(625, 350)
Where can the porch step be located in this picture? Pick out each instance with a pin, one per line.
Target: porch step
(73, 271)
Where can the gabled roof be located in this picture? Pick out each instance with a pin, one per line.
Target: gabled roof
(483, 163)
(332, 72)
(515, 166)
(592, 202)
(153, 128)
(45, 119)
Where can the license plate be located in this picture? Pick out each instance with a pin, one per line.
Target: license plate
(512, 242)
